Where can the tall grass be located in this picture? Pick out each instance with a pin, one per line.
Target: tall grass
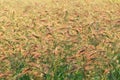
(59, 40)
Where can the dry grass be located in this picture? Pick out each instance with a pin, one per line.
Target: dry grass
(59, 40)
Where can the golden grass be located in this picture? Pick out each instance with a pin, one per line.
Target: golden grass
(39, 36)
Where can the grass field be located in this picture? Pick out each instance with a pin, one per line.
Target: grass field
(59, 39)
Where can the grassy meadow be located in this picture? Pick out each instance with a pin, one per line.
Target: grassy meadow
(59, 39)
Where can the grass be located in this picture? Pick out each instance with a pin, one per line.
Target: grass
(60, 40)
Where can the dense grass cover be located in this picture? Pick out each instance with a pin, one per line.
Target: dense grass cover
(59, 39)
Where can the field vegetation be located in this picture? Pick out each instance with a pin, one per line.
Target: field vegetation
(59, 39)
